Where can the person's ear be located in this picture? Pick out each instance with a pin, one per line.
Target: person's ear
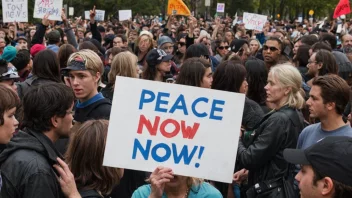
(54, 121)
(97, 77)
(328, 186)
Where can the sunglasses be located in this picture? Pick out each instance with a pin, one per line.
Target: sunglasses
(223, 47)
(273, 49)
(181, 44)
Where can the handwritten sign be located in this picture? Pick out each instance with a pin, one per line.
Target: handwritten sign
(186, 128)
(99, 16)
(53, 7)
(177, 7)
(220, 7)
(125, 15)
(14, 10)
(254, 21)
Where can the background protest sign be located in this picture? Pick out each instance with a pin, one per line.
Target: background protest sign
(54, 7)
(99, 16)
(192, 130)
(125, 15)
(14, 10)
(254, 21)
(177, 7)
(220, 7)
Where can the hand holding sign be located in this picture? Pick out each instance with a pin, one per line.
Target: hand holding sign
(158, 178)
(45, 20)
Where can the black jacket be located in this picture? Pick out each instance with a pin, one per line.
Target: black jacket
(27, 167)
(264, 157)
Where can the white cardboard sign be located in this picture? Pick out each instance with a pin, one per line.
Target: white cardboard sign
(53, 7)
(254, 21)
(188, 129)
(14, 10)
(99, 16)
(125, 15)
(220, 7)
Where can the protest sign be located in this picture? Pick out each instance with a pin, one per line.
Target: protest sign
(53, 7)
(99, 16)
(125, 15)
(177, 7)
(188, 129)
(220, 7)
(14, 10)
(254, 21)
(71, 11)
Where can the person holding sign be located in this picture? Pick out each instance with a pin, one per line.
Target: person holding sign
(260, 151)
(165, 184)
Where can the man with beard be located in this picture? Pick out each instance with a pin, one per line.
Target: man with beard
(27, 162)
(347, 43)
(272, 51)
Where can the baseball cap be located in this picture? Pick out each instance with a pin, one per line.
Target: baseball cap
(237, 44)
(330, 157)
(11, 74)
(9, 53)
(77, 64)
(164, 39)
(21, 38)
(36, 48)
(156, 56)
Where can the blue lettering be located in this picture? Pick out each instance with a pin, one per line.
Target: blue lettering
(214, 109)
(181, 106)
(138, 146)
(201, 99)
(144, 99)
(159, 102)
(187, 158)
(158, 158)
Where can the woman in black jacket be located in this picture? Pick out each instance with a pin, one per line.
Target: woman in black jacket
(263, 154)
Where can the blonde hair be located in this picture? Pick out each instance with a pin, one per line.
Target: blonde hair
(288, 76)
(123, 64)
(93, 62)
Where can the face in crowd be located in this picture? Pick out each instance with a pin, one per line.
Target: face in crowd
(223, 49)
(182, 46)
(271, 51)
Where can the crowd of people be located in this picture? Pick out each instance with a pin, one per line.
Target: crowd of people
(57, 85)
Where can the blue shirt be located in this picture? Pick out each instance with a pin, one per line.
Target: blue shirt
(205, 190)
(314, 133)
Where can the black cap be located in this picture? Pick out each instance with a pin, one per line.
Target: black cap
(237, 44)
(76, 64)
(21, 38)
(156, 56)
(331, 157)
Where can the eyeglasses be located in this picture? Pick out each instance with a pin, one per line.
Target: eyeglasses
(223, 47)
(273, 49)
(310, 62)
(181, 44)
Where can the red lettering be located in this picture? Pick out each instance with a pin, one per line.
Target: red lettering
(187, 131)
(173, 133)
(145, 122)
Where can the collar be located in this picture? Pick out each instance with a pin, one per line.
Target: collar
(94, 99)
(47, 144)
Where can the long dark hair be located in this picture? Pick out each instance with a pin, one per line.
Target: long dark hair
(192, 72)
(46, 65)
(257, 76)
(229, 76)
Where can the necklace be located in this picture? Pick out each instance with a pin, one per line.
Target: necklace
(187, 192)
